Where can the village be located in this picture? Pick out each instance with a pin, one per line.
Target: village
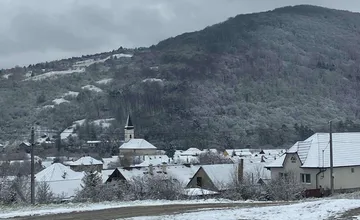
(261, 174)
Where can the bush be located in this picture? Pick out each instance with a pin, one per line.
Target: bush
(285, 188)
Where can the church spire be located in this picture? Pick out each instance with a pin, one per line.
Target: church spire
(129, 129)
(129, 125)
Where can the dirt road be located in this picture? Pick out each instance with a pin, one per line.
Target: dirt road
(127, 212)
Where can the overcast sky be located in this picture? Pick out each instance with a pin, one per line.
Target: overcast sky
(34, 31)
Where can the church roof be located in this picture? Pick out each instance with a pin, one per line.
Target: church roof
(137, 144)
(129, 124)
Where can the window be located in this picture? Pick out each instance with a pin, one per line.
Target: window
(293, 159)
(283, 175)
(130, 136)
(199, 181)
(352, 170)
(305, 178)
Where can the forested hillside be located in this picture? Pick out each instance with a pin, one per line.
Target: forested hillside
(259, 79)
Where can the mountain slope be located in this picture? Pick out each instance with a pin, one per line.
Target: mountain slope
(251, 80)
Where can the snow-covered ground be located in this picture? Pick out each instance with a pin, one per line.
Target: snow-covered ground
(152, 80)
(71, 93)
(6, 76)
(69, 130)
(105, 123)
(119, 55)
(59, 101)
(319, 209)
(104, 81)
(92, 88)
(89, 62)
(54, 74)
(18, 211)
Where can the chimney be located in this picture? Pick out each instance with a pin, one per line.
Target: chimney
(241, 170)
(151, 169)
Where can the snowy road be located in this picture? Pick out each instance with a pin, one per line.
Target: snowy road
(138, 211)
(320, 209)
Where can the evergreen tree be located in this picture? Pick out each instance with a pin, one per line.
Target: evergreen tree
(90, 186)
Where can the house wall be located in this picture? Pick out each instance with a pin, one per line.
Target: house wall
(137, 152)
(206, 182)
(343, 177)
(294, 167)
(87, 168)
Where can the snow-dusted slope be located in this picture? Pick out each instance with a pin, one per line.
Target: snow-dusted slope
(71, 93)
(105, 123)
(69, 130)
(60, 100)
(92, 88)
(104, 81)
(54, 74)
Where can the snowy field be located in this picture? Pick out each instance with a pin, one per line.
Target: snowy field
(313, 210)
(19, 211)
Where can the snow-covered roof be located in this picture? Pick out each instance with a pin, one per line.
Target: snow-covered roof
(314, 152)
(105, 174)
(62, 180)
(87, 160)
(153, 159)
(239, 152)
(108, 161)
(198, 192)
(222, 175)
(186, 159)
(273, 152)
(137, 144)
(277, 163)
(181, 173)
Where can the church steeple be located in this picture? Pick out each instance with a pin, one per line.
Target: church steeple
(129, 129)
(129, 124)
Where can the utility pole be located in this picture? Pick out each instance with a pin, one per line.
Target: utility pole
(32, 166)
(331, 160)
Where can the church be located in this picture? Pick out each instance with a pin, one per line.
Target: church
(135, 146)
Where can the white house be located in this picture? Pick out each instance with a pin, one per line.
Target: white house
(63, 181)
(219, 177)
(133, 146)
(180, 173)
(309, 161)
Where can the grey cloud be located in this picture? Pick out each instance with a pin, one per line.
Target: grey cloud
(40, 30)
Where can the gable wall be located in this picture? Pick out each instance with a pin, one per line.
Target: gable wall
(206, 182)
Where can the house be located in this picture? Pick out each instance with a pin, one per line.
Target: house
(180, 173)
(93, 144)
(220, 177)
(237, 152)
(63, 181)
(111, 162)
(309, 162)
(155, 160)
(25, 146)
(132, 146)
(86, 163)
